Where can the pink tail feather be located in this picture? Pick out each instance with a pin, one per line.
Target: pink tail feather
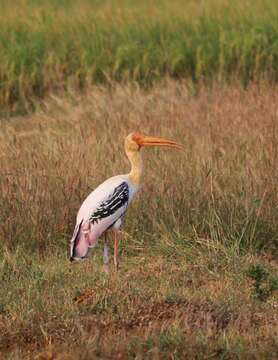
(81, 241)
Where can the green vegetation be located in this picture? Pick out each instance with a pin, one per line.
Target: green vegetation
(264, 285)
(54, 310)
(57, 45)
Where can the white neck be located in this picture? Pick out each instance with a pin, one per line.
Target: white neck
(135, 158)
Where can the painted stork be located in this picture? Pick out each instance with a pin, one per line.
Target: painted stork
(105, 207)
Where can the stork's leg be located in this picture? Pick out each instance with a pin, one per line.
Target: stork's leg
(106, 254)
(116, 244)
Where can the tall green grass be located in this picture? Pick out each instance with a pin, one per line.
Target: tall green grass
(54, 45)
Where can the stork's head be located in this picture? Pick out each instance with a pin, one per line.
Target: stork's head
(135, 141)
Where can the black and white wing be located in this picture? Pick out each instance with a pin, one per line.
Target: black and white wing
(100, 211)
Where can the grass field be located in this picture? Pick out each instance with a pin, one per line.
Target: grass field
(48, 46)
(198, 275)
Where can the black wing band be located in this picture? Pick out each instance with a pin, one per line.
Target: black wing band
(108, 207)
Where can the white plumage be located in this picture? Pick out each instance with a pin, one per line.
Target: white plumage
(88, 227)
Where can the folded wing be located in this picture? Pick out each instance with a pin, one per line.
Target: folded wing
(100, 211)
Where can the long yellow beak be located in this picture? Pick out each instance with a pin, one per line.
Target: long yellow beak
(155, 141)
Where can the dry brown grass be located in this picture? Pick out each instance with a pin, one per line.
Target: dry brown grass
(227, 173)
(203, 218)
(152, 308)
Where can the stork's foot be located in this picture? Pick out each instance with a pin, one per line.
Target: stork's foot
(106, 269)
(116, 264)
(116, 244)
(106, 255)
